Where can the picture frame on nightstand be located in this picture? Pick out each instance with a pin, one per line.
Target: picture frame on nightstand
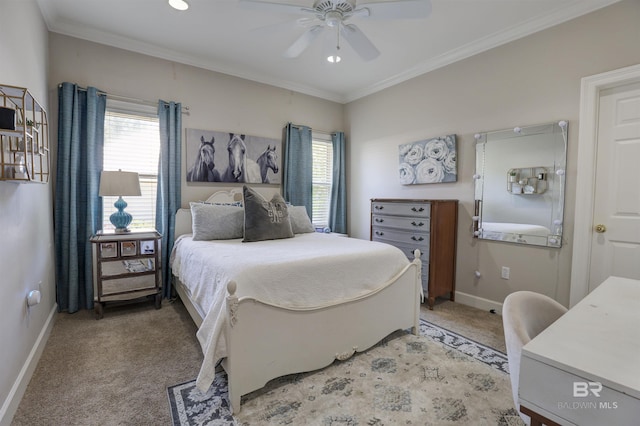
(108, 250)
(147, 247)
(128, 248)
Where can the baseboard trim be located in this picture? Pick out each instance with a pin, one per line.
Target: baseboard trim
(478, 302)
(20, 385)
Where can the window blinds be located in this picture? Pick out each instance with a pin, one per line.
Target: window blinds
(322, 151)
(132, 143)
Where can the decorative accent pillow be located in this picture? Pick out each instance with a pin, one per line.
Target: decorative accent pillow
(300, 222)
(216, 222)
(265, 220)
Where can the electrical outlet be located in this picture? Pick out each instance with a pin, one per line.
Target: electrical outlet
(506, 271)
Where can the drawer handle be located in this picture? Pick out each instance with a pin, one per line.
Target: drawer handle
(379, 207)
(379, 220)
(414, 238)
(379, 233)
(419, 209)
(417, 224)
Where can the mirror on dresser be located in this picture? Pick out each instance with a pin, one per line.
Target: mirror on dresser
(520, 184)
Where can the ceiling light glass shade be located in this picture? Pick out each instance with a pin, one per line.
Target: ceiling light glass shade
(179, 4)
(118, 184)
(334, 59)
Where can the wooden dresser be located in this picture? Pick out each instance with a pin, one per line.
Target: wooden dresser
(428, 225)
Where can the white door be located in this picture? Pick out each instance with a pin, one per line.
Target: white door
(615, 243)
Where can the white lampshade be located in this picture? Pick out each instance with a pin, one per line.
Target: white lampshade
(119, 183)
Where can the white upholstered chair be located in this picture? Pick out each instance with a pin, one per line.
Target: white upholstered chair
(524, 315)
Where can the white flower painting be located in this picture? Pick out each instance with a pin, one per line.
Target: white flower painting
(429, 161)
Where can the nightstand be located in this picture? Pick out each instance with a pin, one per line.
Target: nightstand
(126, 266)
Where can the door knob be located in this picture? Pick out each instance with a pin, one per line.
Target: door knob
(601, 228)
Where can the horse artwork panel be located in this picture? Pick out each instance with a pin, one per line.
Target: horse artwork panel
(241, 168)
(267, 160)
(203, 168)
(239, 158)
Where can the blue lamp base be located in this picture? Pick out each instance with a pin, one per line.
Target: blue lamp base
(120, 219)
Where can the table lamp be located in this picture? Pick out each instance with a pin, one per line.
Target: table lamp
(118, 184)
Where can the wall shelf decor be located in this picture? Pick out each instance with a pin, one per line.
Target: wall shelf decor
(527, 180)
(24, 137)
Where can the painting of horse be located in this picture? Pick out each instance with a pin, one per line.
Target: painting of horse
(248, 159)
(203, 169)
(240, 168)
(267, 160)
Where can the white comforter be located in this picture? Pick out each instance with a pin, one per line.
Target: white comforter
(309, 270)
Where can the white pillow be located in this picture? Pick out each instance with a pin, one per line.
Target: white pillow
(300, 222)
(216, 222)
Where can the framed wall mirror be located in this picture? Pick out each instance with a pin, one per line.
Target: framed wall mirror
(520, 184)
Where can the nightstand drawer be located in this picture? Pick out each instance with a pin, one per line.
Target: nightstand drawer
(122, 267)
(124, 285)
(405, 223)
(401, 209)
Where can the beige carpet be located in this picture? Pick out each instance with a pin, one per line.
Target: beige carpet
(115, 371)
(475, 324)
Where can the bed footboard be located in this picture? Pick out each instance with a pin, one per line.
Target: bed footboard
(266, 341)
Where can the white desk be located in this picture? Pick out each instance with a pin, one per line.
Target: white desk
(598, 341)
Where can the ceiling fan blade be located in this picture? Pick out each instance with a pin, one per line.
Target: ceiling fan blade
(268, 6)
(402, 9)
(303, 42)
(284, 27)
(359, 42)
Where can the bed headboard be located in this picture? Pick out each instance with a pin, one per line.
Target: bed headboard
(183, 216)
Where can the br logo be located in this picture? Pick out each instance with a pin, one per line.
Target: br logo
(583, 389)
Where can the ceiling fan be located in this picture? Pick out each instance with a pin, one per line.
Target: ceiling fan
(336, 15)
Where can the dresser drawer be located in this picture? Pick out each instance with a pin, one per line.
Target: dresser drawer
(401, 209)
(408, 251)
(406, 223)
(417, 239)
(407, 248)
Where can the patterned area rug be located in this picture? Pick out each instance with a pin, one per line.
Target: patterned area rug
(438, 378)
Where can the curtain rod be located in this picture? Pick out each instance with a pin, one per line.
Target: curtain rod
(297, 126)
(185, 109)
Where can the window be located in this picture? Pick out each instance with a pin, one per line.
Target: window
(132, 144)
(322, 177)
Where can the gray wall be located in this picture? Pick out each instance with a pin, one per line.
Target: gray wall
(529, 81)
(26, 229)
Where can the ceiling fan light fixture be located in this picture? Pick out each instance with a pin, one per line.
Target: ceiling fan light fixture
(333, 19)
(179, 4)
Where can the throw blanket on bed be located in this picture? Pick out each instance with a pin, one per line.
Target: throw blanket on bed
(309, 270)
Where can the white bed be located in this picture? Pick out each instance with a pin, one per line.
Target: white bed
(260, 334)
